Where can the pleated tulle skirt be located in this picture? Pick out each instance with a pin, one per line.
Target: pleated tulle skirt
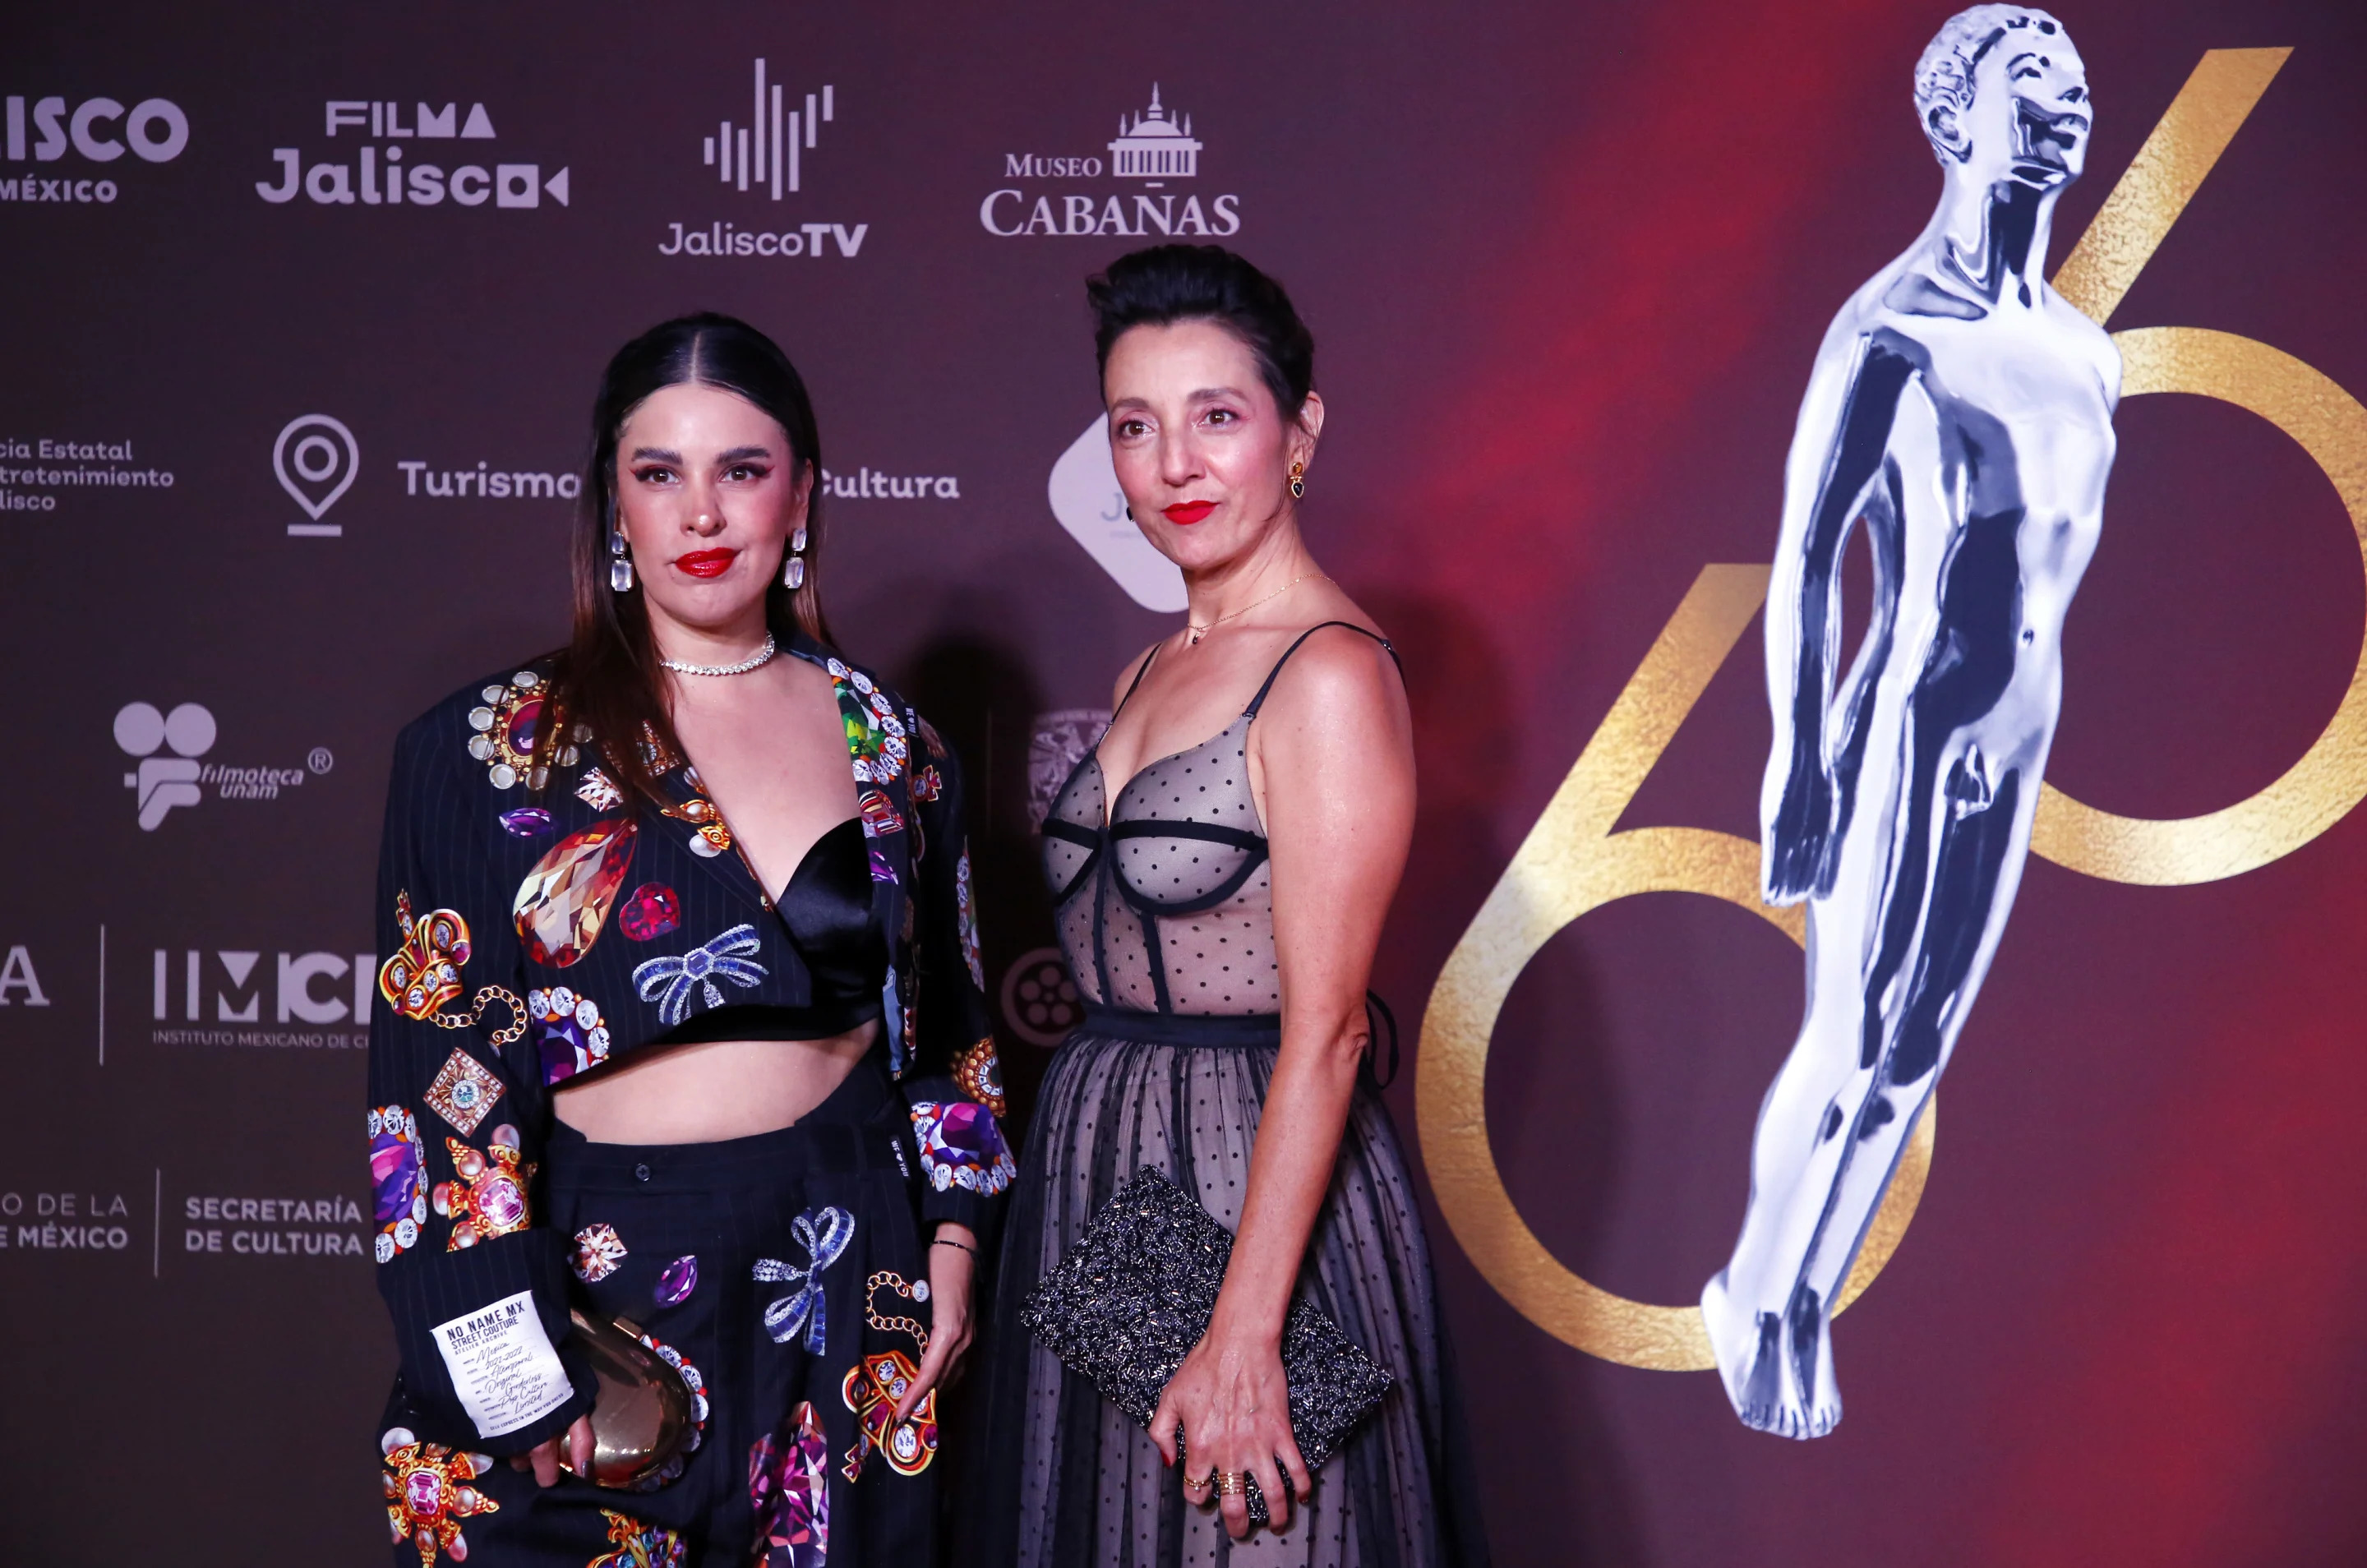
(1060, 1478)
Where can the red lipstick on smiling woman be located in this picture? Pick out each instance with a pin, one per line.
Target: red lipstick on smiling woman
(1187, 513)
(707, 563)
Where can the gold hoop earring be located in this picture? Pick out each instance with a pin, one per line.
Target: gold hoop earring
(1298, 481)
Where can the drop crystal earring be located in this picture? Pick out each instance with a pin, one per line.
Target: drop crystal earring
(793, 570)
(620, 565)
(1298, 481)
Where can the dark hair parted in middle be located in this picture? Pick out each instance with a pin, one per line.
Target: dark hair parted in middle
(1167, 284)
(607, 679)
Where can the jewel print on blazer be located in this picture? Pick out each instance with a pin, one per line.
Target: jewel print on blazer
(428, 1494)
(788, 1486)
(672, 982)
(714, 835)
(650, 911)
(691, 1380)
(980, 1073)
(599, 1252)
(639, 1545)
(677, 1281)
(825, 1234)
(425, 972)
(961, 1146)
(656, 755)
(598, 791)
(879, 814)
(507, 728)
(875, 1384)
(570, 1035)
(874, 736)
(526, 822)
(398, 1195)
(966, 918)
(487, 1198)
(927, 783)
(565, 900)
(463, 1092)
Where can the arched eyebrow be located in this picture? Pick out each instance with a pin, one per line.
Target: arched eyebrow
(657, 454)
(742, 454)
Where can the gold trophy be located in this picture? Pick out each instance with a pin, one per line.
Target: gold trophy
(642, 1418)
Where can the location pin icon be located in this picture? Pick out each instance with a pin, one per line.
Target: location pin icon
(316, 458)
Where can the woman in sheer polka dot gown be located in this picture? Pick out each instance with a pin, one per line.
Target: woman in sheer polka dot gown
(1221, 863)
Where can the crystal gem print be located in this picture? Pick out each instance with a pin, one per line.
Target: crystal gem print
(565, 899)
(650, 912)
(677, 1280)
(463, 1092)
(507, 725)
(570, 1035)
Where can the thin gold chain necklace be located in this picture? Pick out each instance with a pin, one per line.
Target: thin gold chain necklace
(1199, 631)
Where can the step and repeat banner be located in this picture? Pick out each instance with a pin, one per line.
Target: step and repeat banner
(306, 307)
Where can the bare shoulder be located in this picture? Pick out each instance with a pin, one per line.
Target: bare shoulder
(1342, 676)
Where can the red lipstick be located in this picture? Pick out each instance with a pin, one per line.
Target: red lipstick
(707, 563)
(1187, 513)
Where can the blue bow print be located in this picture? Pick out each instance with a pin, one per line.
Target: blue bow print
(824, 1235)
(699, 970)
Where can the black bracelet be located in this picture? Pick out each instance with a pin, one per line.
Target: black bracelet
(948, 1241)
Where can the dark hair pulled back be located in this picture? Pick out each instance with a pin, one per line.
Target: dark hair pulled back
(606, 680)
(1166, 283)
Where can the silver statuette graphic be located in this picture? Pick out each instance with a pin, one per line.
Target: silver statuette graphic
(1960, 411)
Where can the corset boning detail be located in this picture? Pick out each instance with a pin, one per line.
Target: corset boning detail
(1169, 909)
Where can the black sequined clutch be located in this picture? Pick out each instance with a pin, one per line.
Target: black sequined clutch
(1134, 1295)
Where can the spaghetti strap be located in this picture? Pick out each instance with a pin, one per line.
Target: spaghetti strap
(1130, 685)
(1258, 701)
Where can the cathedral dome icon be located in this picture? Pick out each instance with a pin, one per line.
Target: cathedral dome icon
(1157, 147)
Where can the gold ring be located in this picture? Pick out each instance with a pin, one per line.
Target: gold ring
(1201, 1484)
(1230, 1483)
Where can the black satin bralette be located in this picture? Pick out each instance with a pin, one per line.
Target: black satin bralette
(827, 907)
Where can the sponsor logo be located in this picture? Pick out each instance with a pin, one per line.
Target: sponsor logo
(316, 460)
(375, 164)
(1039, 1000)
(487, 482)
(273, 1227)
(765, 158)
(69, 464)
(169, 746)
(66, 1222)
(1154, 151)
(1087, 501)
(95, 131)
(197, 992)
(18, 983)
(877, 484)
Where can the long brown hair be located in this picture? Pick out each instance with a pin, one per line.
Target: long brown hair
(606, 681)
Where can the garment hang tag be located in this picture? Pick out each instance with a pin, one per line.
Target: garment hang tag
(502, 1367)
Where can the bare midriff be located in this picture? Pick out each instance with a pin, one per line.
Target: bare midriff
(714, 1089)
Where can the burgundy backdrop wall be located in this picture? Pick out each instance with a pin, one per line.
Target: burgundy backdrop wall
(1568, 266)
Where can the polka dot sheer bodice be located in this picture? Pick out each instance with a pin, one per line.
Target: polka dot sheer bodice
(1165, 896)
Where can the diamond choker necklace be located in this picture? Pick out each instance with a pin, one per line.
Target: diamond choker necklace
(761, 656)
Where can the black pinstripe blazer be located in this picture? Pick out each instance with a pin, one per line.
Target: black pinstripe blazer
(543, 923)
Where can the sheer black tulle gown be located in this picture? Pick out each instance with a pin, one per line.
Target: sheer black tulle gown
(1167, 918)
